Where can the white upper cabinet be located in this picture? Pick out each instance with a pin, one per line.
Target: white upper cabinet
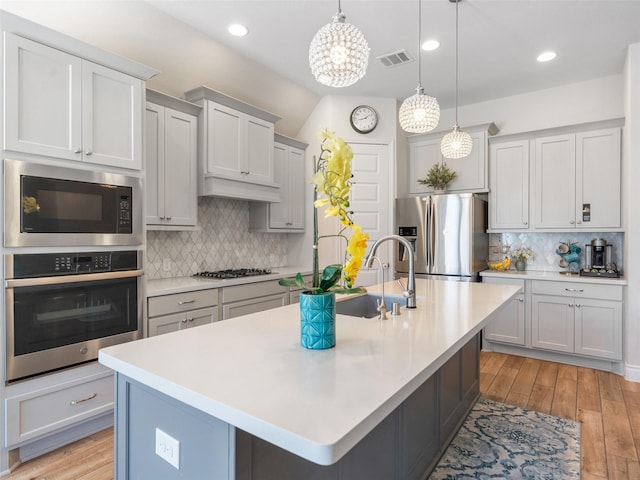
(288, 215)
(59, 105)
(471, 171)
(236, 148)
(509, 185)
(577, 180)
(171, 162)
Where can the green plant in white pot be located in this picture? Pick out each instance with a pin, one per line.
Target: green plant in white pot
(438, 177)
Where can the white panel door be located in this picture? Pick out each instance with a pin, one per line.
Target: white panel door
(552, 323)
(371, 200)
(509, 185)
(154, 167)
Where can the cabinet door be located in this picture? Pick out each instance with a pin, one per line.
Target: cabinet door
(259, 150)
(552, 323)
(254, 305)
(202, 317)
(154, 165)
(42, 100)
(112, 117)
(423, 155)
(179, 179)
(224, 141)
(554, 181)
(296, 194)
(509, 185)
(598, 328)
(507, 324)
(279, 212)
(598, 179)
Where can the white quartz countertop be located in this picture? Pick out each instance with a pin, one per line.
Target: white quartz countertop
(251, 371)
(167, 286)
(555, 276)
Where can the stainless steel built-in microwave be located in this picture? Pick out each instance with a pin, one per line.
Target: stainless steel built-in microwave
(52, 206)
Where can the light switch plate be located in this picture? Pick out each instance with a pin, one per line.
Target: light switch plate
(168, 448)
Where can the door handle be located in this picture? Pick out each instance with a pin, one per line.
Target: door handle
(86, 399)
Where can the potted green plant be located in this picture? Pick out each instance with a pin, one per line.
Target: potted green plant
(438, 177)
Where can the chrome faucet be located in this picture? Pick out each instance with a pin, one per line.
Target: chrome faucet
(410, 291)
(381, 304)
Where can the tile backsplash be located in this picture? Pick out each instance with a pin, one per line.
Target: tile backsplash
(544, 246)
(222, 241)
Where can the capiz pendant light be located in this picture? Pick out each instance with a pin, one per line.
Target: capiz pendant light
(419, 113)
(339, 53)
(457, 143)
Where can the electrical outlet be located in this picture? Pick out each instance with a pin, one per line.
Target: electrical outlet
(168, 448)
(166, 264)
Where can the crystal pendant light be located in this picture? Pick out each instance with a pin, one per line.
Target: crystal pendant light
(457, 143)
(419, 113)
(339, 53)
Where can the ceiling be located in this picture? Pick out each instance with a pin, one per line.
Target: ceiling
(498, 41)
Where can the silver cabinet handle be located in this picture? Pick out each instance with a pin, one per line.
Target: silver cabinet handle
(184, 320)
(577, 305)
(571, 305)
(90, 397)
(161, 218)
(184, 302)
(168, 218)
(521, 299)
(571, 222)
(525, 223)
(579, 290)
(88, 152)
(77, 150)
(190, 319)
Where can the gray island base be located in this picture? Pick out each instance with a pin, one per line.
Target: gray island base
(242, 400)
(405, 445)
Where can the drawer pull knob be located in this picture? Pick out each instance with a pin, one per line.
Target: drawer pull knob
(577, 305)
(579, 290)
(90, 397)
(190, 319)
(184, 320)
(186, 301)
(571, 305)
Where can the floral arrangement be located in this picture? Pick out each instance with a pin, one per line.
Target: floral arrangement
(522, 253)
(438, 176)
(332, 180)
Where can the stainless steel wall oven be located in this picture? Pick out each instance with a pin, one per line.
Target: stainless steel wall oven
(53, 206)
(61, 308)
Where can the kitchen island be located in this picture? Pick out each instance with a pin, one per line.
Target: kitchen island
(245, 401)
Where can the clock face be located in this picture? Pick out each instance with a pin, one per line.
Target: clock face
(364, 119)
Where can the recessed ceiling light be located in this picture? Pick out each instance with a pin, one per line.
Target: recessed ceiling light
(546, 56)
(430, 45)
(237, 30)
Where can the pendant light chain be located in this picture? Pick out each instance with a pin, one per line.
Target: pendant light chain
(457, 1)
(419, 43)
(457, 143)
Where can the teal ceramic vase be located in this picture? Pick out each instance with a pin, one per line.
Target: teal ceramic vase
(318, 321)
(521, 264)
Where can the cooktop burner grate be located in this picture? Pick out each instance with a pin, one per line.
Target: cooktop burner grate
(234, 273)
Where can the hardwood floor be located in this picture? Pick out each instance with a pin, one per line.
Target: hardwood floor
(606, 404)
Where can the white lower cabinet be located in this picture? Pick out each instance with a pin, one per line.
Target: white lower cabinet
(241, 300)
(507, 324)
(170, 313)
(584, 319)
(53, 405)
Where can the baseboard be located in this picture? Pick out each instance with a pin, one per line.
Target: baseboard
(632, 372)
(587, 362)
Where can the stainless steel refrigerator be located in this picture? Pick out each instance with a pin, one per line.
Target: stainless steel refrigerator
(448, 233)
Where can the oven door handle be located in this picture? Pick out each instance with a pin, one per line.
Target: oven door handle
(88, 277)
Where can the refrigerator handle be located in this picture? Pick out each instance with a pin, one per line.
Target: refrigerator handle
(429, 234)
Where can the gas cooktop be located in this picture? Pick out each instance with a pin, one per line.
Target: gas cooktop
(234, 273)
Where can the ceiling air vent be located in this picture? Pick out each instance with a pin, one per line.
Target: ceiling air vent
(395, 58)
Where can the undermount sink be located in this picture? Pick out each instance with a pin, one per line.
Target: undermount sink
(367, 305)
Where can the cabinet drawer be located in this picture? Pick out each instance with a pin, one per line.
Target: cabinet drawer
(505, 281)
(34, 414)
(253, 290)
(575, 289)
(181, 302)
(254, 305)
(180, 321)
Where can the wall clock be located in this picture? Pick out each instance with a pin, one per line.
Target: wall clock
(363, 119)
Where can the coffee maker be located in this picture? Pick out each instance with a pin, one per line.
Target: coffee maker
(598, 259)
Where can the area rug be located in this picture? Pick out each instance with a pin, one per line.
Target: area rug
(506, 442)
